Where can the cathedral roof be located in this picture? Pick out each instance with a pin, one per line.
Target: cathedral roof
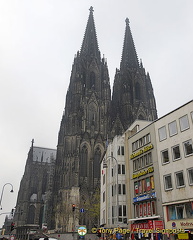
(129, 56)
(90, 44)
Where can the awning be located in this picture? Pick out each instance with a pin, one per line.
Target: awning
(144, 218)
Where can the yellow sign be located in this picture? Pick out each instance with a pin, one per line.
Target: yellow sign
(143, 172)
(141, 151)
(183, 236)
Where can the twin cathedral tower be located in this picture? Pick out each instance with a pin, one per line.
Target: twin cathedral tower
(91, 117)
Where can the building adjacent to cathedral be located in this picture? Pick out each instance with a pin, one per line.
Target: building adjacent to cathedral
(92, 117)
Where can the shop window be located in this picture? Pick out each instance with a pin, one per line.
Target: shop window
(165, 156)
(180, 211)
(188, 148)
(171, 212)
(176, 152)
(172, 128)
(184, 123)
(168, 182)
(190, 176)
(179, 179)
(162, 133)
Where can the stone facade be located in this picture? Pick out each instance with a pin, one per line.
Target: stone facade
(91, 119)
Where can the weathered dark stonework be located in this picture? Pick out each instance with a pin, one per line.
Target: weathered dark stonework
(133, 96)
(90, 118)
(36, 186)
(83, 132)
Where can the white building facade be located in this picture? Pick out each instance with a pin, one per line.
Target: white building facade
(174, 134)
(113, 209)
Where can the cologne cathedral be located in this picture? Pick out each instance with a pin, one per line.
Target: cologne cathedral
(92, 116)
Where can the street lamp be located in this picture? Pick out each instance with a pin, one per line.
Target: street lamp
(117, 183)
(3, 191)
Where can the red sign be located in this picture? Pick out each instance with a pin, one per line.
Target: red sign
(144, 209)
(149, 209)
(151, 224)
(158, 224)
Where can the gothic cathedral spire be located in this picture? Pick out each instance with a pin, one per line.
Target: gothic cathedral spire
(133, 96)
(84, 128)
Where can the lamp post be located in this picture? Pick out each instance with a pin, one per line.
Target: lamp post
(3, 191)
(117, 183)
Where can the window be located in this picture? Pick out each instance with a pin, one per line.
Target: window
(103, 179)
(168, 182)
(165, 156)
(162, 133)
(190, 176)
(180, 211)
(119, 169)
(123, 169)
(134, 165)
(148, 138)
(176, 152)
(140, 142)
(122, 150)
(188, 149)
(192, 115)
(172, 128)
(149, 156)
(122, 213)
(119, 188)
(179, 179)
(124, 189)
(184, 124)
(103, 196)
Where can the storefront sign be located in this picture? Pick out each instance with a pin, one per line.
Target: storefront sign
(144, 197)
(143, 172)
(141, 151)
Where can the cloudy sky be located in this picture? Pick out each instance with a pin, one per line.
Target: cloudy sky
(38, 41)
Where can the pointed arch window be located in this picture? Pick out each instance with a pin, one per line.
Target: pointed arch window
(137, 91)
(92, 80)
(93, 116)
(44, 182)
(31, 215)
(83, 161)
(96, 165)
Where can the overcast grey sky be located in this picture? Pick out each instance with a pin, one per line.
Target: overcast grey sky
(38, 41)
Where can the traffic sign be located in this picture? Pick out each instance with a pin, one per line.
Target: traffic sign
(82, 231)
(82, 210)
